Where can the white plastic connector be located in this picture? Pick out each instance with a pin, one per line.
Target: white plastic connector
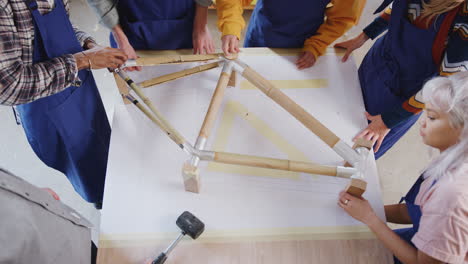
(345, 172)
(130, 63)
(347, 153)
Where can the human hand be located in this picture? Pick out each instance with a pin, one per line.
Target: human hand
(202, 41)
(352, 44)
(125, 46)
(306, 60)
(51, 192)
(100, 57)
(230, 44)
(357, 208)
(376, 131)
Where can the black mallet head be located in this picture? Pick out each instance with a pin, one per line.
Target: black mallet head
(190, 225)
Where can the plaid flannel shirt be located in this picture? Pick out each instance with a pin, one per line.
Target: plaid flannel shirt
(21, 81)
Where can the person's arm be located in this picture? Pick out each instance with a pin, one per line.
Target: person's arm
(85, 40)
(230, 23)
(106, 10)
(360, 209)
(397, 214)
(339, 19)
(230, 20)
(202, 41)
(374, 29)
(21, 83)
(379, 25)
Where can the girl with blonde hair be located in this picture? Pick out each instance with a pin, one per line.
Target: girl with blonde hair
(437, 204)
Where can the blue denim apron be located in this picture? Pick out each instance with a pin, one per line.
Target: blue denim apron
(157, 24)
(284, 24)
(68, 131)
(414, 212)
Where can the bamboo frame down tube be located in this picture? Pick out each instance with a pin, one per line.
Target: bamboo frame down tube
(161, 122)
(213, 109)
(179, 74)
(281, 164)
(171, 59)
(325, 134)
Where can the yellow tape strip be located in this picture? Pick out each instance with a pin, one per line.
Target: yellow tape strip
(246, 235)
(235, 109)
(290, 84)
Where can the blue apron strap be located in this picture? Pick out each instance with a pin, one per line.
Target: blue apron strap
(411, 195)
(382, 6)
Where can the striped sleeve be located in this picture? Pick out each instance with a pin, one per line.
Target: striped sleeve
(230, 20)
(20, 82)
(340, 18)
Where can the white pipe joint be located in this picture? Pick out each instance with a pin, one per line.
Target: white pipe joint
(199, 145)
(228, 65)
(239, 66)
(347, 153)
(201, 154)
(130, 63)
(345, 172)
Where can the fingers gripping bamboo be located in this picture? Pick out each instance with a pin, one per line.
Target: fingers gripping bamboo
(292, 107)
(180, 74)
(270, 163)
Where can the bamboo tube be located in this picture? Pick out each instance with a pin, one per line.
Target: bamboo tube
(190, 170)
(215, 104)
(292, 107)
(150, 116)
(164, 124)
(170, 59)
(278, 164)
(180, 74)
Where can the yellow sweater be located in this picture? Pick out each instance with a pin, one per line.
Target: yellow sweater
(339, 18)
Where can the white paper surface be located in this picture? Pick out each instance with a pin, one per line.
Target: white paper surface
(144, 192)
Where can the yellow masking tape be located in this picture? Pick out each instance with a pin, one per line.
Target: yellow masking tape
(225, 129)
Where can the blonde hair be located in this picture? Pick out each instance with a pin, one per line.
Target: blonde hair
(433, 8)
(450, 95)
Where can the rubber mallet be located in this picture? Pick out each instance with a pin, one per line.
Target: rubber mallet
(190, 225)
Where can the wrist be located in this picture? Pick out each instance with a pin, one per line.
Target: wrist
(119, 36)
(201, 19)
(363, 37)
(372, 221)
(198, 29)
(81, 61)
